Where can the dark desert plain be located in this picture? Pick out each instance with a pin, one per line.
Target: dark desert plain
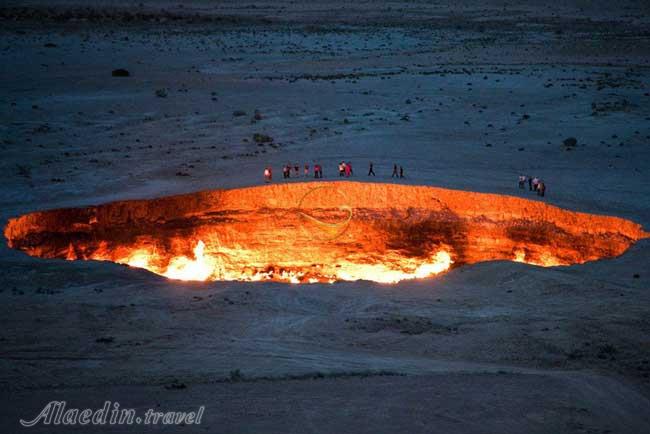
(465, 95)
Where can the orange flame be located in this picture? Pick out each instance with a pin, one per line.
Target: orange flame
(207, 267)
(546, 259)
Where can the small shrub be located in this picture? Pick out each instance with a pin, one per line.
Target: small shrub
(570, 142)
(262, 138)
(236, 376)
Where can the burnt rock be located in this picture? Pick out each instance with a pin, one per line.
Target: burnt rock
(120, 73)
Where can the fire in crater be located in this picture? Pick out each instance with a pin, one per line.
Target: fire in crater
(325, 232)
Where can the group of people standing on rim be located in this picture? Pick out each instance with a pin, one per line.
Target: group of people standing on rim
(345, 170)
(534, 184)
(288, 169)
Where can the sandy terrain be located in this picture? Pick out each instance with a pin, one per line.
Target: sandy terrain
(465, 96)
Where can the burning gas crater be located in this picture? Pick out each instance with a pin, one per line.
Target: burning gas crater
(321, 232)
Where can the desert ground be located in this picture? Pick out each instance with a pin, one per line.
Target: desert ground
(464, 95)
